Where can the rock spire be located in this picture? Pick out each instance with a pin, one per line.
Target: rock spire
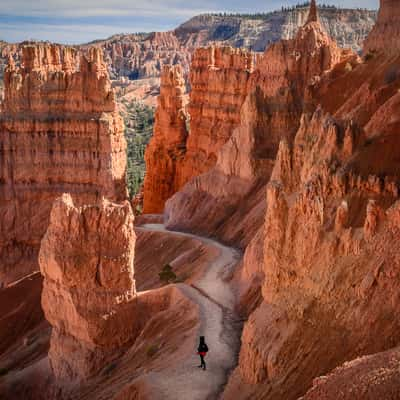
(313, 15)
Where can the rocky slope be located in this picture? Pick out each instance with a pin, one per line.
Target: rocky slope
(60, 131)
(369, 377)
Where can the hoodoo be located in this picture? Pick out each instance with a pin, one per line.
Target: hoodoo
(86, 258)
(279, 90)
(385, 36)
(331, 264)
(59, 132)
(218, 78)
(167, 148)
(313, 14)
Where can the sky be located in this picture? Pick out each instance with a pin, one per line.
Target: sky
(80, 21)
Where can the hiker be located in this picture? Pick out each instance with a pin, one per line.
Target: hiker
(202, 351)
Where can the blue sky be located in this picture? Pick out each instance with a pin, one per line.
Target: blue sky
(79, 21)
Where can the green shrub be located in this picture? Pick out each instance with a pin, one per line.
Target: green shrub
(151, 350)
(167, 275)
(138, 131)
(110, 368)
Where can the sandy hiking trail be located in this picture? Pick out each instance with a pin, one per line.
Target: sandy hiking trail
(218, 323)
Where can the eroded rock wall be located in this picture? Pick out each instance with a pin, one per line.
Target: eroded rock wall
(167, 148)
(139, 56)
(331, 261)
(218, 79)
(385, 36)
(279, 90)
(375, 377)
(86, 258)
(59, 132)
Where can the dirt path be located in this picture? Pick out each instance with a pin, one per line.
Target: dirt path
(218, 323)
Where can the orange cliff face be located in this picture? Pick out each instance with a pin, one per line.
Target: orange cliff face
(98, 318)
(59, 132)
(330, 253)
(218, 80)
(167, 147)
(86, 258)
(141, 55)
(385, 35)
(279, 90)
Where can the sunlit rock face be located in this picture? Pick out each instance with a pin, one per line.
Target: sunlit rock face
(218, 80)
(86, 258)
(385, 36)
(59, 132)
(167, 148)
(278, 91)
(377, 375)
(330, 258)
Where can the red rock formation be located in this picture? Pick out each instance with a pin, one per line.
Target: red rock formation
(167, 147)
(143, 55)
(89, 298)
(385, 36)
(59, 131)
(279, 90)
(370, 377)
(86, 258)
(330, 255)
(219, 79)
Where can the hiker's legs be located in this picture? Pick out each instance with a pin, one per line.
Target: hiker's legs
(203, 363)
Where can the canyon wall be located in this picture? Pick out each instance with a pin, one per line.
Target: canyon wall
(385, 35)
(218, 79)
(139, 56)
(330, 258)
(86, 258)
(59, 132)
(279, 90)
(167, 147)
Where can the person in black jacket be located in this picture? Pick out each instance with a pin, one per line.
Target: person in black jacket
(202, 351)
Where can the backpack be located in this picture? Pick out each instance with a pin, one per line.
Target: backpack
(204, 348)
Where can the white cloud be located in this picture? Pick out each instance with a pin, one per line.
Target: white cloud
(166, 8)
(98, 8)
(77, 21)
(68, 34)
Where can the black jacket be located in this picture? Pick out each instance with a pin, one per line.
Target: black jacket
(203, 348)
